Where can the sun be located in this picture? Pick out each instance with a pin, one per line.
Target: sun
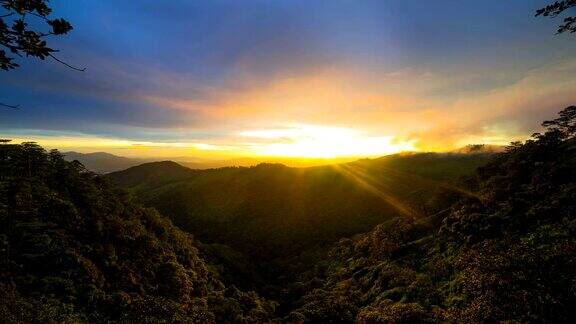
(312, 141)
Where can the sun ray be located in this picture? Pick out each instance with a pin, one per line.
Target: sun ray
(373, 186)
(428, 181)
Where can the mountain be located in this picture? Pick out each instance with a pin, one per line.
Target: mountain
(215, 164)
(287, 245)
(504, 254)
(288, 215)
(151, 175)
(74, 249)
(248, 162)
(101, 162)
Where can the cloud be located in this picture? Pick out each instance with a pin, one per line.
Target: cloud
(507, 113)
(204, 72)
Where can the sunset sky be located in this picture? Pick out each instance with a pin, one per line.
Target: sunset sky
(216, 79)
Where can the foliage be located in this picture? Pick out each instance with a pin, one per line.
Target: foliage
(502, 249)
(505, 254)
(20, 37)
(555, 9)
(283, 219)
(74, 249)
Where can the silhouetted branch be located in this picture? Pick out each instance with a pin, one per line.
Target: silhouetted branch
(22, 38)
(39, 16)
(9, 106)
(557, 8)
(66, 64)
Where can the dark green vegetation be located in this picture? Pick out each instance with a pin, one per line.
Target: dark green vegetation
(73, 249)
(506, 255)
(499, 246)
(281, 219)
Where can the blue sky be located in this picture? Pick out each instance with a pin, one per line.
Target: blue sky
(437, 74)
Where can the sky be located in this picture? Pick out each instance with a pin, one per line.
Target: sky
(223, 78)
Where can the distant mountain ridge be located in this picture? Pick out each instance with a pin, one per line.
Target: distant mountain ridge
(102, 162)
(153, 174)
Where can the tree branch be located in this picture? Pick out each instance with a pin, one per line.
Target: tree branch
(37, 15)
(66, 64)
(10, 106)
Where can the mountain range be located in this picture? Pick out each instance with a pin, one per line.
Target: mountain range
(287, 216)
(406, 238)
(103, 162)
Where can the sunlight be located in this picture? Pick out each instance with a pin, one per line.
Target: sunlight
(309, 141)
(372, 185)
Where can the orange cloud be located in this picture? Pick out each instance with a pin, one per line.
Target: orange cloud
(403, 110)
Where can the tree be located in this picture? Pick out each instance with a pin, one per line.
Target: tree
(557, 8)
(565, 125)
(20, 36)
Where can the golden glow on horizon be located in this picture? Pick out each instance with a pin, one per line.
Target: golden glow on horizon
(397, 110)
(297, 141)
(297, 145)
(329, 113)
(308, 141)
(127, 148)
(291, 145)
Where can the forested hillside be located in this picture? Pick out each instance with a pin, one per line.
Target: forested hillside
(505, 254)
(74, 249)
(498, 246)
(274, 168)
(282, 218)
(295, 204)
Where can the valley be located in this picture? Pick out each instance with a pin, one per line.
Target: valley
(278, 221)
